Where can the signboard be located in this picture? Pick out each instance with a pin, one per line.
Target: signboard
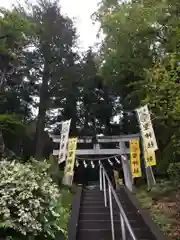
(147, 128)
(64, 140)
(69, 168)
(150, 158)
(135, 158)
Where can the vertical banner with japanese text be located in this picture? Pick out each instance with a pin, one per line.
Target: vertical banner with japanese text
(64, 140)
(146, 128)
(135, 158)
(150, 158)
(72, 145)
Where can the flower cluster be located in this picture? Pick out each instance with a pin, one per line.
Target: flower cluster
(30, 202)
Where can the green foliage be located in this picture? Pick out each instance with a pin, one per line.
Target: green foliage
(6, 119)
(15, 93)
(14, 29)
(138, 65)
(162, 189)
(157, 202)
(54, 170)
(65, 209)
(164, 222)
(31, 204)
(40, 61)
(162, 92)
(174, 172)
(140, 62)
(145, 200)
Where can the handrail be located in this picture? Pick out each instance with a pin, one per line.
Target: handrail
(123, 218)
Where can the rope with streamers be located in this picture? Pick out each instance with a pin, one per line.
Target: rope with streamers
(95, 159)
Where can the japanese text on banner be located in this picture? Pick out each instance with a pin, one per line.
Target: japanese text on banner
(64, 140)
(69, 168)
(150, 158)
(146, 128)
(135, 158)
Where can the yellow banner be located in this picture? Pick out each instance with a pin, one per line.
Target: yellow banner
(134, 146)
(150, 157)
(69, 168)
(135, 158)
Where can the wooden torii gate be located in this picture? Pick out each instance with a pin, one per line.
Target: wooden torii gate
(120, 149)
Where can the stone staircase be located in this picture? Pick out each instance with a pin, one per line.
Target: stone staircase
(94, 218)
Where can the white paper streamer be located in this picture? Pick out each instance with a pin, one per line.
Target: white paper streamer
(92, 164)
(85, 165)
(110, 162)
(117, 160)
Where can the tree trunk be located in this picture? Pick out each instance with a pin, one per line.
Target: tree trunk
(2, 146)
(71, 113)
(42, 114)
(2, 81)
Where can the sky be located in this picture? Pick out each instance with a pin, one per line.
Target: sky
(81, 10)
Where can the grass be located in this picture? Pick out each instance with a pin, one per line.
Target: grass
(161, 203)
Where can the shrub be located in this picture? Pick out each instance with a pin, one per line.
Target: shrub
(54, 170)
(30, 203)
(174, 171)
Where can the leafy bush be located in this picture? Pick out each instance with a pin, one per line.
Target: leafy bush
(30, 203)
(174, 171)
(54, 170)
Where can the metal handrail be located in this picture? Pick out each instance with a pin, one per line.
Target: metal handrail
(123, 218)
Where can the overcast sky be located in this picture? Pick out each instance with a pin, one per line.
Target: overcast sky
(81, 10)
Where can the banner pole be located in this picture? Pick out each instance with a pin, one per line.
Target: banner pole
(148, 169)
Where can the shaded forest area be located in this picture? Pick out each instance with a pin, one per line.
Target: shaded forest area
(44, 79)
(42, 71)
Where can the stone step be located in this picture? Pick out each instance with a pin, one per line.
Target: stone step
(97, 234)
(100, 224)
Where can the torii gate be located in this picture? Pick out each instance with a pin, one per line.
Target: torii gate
(98, 149)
